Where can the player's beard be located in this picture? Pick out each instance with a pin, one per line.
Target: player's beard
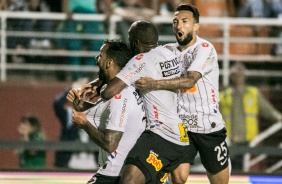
(186, 40)
(101, 75)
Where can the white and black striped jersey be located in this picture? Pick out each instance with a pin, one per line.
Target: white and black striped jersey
(198, 106)
(160, 105)
(125, 113)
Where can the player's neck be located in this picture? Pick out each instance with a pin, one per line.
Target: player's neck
(147, 47)
(112, 74)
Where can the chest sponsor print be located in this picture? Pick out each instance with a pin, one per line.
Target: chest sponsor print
(170, 68)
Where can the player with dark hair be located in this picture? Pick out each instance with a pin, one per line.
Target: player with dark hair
(163, 146)
(116, 124)
(198, 96)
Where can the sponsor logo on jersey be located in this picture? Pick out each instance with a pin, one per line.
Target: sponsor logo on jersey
(213, 95)
(169, 64)
(156, 113)
(171, 72)
(122, 113)
(205, 65)
(117, 96)
(113, 154)
(205, 44)
(170, 67)
(164, 177)
(191, 90)
(154, 161)
(190, 121)
(139, 56)
(131, 74)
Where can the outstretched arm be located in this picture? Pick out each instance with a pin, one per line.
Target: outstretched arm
(114, 87)
(185, 82)
(107, 140)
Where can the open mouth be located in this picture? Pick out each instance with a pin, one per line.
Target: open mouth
(179, 34)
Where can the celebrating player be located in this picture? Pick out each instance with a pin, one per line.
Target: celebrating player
(199, 96)
(114, 125)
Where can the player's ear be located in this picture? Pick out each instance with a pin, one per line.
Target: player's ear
(109, 62)
(196, 27)
(136, 43)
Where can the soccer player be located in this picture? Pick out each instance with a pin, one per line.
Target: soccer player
(199, 95)
(114, 125)
(163, 146)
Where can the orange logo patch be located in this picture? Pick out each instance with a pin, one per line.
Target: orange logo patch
(191, 90)
(152, 159)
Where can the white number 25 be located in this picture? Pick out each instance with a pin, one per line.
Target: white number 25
(221, 153)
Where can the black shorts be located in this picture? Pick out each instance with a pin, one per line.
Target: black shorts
(212, 148)
(102, 179)
(155, 156)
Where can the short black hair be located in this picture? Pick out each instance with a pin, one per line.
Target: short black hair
(145, 32)
(119, 51)
(191, 8)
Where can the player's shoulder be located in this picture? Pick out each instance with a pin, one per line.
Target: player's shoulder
(205, 44)
(127, 93)
(171, 46)
(151, 55)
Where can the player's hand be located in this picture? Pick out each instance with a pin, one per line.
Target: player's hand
(75, 98)
(88, 92)
(79, 119)
(72, 95)
(145, 84)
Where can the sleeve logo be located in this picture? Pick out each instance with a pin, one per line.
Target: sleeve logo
(117, 96)
(205, 44)
(139, 57)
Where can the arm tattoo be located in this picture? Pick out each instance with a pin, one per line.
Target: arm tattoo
(107, 140)
(185, 82)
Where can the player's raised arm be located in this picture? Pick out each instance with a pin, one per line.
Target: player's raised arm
(113, 87)
(185, 82)
(107, 140)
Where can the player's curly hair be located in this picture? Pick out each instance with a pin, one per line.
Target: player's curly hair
(119, 51)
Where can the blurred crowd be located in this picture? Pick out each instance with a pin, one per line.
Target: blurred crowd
(130, 10)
